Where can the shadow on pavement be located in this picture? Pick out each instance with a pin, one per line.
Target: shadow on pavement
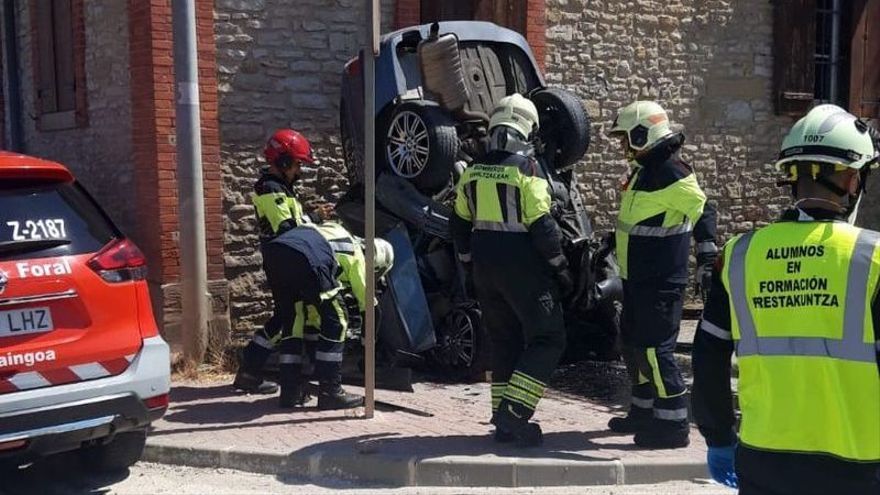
(58, 474)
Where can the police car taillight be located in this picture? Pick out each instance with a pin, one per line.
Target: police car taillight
(157, 402)
(120, 261)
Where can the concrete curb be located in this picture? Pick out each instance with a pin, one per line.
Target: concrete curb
(452, 471)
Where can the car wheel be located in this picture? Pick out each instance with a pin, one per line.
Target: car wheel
(354, 162)
(463, 346)
(420, 145)
(564, 126)
(121, 453)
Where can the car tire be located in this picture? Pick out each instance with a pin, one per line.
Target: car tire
(118, 455)
(352, 156)
(464, 348)
(419, 143)
(564, 126)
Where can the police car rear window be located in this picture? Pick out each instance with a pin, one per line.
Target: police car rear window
(48, 219)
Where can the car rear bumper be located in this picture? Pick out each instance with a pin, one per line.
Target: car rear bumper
(44, 421)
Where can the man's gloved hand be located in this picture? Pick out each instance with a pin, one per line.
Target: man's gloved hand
(705, 265)
(721, 465)
(565, 281)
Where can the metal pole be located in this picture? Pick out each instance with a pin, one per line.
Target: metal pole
(371, 50)
(191, 197)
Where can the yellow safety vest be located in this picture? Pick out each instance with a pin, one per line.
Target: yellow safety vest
(274, 208)
(800, 297)
(501, 198)
(681, 204)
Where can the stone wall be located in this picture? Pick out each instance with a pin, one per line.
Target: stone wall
(280, 64)
(708, 62)
(99, 154)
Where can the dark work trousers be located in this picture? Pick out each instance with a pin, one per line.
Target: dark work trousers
(649, 332)
(778, 473)
(294, 288)
(266, 339)
(522, 314)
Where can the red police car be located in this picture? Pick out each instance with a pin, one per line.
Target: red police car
(82, 365)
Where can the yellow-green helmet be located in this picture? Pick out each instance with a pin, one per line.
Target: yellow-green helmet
(828, 135)
(517, 112)
(645, 123)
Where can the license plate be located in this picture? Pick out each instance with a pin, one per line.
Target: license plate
(25, 321)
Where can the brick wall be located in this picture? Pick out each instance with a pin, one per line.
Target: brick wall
(277, 68)
(100, 154)
(708, 62)
(2, 93)
(536, 29)
(407, 13)
(152, 73)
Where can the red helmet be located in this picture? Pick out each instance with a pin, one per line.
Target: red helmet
(288, 143)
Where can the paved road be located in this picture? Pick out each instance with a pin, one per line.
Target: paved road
(59, 478)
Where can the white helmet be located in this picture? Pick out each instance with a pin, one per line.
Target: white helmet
(827, 136)
(645, 123)
(384, 257)
(518, 113)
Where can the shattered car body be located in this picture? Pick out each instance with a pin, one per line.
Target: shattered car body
(436, 85)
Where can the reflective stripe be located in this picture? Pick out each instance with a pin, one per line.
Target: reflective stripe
(560, 260)
(512, 209)
(706, 247)
(344, 246)
(464, 257)
(311, 337)
(32, 379)
(671, 414)
(748, 338)
(499, 226)
(715, 330)
(328, 357)
(651, 354)
(852, 347)
(643, 403)
(646, 231)
(263, 342)
(289, 359)
(470, 193)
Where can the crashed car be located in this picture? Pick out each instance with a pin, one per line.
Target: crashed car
(436, 85)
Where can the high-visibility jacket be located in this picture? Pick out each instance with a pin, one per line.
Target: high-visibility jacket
(503, 197)
(276, 207)
(658, 209)
(800, 295)
(350, 258)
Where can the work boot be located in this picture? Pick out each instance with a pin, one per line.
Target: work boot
(253, 384)
(294, 396)
(636, 420)
(663, 434)
(511, 429)
(335, 397)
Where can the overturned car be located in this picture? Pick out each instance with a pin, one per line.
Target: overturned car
(436, 85)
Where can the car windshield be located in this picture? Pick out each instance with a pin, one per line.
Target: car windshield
(47, 219)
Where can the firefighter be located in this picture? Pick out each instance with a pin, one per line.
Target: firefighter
(278, 210)
(314, 263)
(661, 207)
(503, 229)
(798, 302)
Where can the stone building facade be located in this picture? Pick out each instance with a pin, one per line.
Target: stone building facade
(266, 64)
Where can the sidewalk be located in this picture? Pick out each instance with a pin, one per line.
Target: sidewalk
(437, 436)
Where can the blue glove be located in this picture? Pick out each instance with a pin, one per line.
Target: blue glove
(721, 468)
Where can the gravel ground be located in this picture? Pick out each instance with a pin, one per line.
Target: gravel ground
(60, 477)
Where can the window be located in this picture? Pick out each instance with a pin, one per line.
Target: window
(59, 73)
(825, 52)
(832, 51)
(508, 13)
